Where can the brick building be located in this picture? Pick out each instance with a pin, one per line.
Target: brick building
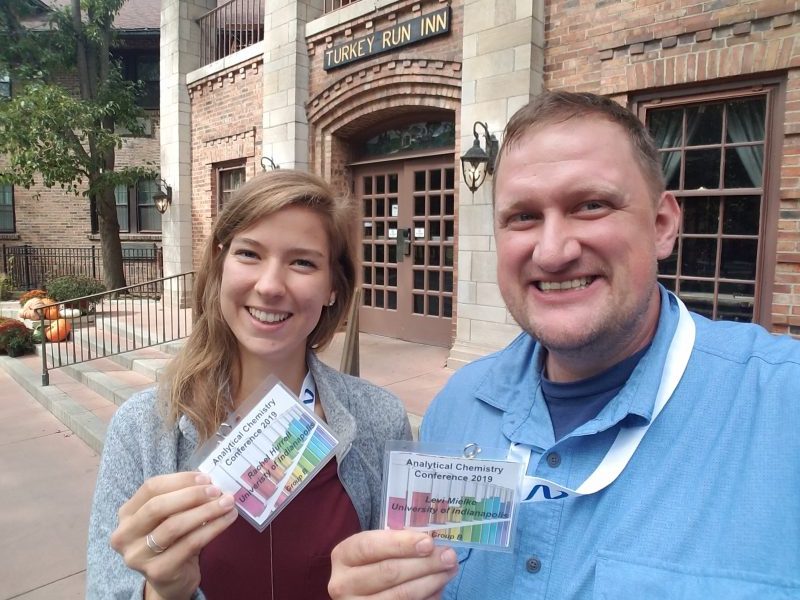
(381, 98)
(52, 218)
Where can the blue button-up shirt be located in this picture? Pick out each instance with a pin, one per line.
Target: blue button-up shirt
(709, 505)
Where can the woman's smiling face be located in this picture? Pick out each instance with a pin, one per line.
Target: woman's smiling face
(276, 280)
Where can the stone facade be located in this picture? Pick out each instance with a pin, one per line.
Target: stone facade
(497, 55)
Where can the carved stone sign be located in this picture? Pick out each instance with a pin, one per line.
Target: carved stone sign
(402, 34)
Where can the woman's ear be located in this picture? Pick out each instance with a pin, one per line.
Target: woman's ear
(332, 299)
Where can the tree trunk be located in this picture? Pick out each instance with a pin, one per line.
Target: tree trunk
(113, 273)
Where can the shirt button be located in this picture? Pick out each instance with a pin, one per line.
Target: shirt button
(533, 565)
(554, 459)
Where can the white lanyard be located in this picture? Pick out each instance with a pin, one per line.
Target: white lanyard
(308, 392)
(535, 489)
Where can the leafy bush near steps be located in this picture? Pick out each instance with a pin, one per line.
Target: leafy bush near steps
(74, 286)
(15, 338)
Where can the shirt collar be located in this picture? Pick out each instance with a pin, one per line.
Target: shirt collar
(513, 385)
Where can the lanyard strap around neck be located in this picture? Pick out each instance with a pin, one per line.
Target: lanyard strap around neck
(308, 392)
(535, 489)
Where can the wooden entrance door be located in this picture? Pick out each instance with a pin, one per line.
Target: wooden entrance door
(408, 248)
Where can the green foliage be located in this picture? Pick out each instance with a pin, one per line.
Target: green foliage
(69, 102)
(6, 286)
(31, 294)
(15, 338)
(73, 286)
(18, 342)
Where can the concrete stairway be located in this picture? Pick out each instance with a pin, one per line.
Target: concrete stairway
(84, 396)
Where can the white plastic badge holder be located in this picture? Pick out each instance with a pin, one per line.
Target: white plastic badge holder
(461, 496)
(265, 452)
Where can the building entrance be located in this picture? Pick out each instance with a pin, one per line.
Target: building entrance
(408, 248)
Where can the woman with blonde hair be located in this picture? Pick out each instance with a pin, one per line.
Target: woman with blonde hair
(277, 276)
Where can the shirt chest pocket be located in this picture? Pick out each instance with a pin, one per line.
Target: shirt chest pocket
(618, 578)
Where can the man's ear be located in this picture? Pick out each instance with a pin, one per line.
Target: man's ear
(668, 221)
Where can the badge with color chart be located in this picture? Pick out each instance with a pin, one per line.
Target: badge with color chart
(456, 497)
(265, 452)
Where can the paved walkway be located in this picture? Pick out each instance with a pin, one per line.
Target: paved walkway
(47, 474)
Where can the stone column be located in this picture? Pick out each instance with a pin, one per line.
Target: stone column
(286, 79)
(180, 54)
(503, 65)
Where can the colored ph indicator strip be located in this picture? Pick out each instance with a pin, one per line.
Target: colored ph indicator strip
(469, 512)
(300, 445)
(302, 429)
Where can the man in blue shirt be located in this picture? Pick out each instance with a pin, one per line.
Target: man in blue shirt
(706, 502)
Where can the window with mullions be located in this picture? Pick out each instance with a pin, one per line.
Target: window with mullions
(712, 154)
(7, 221)
(229, 179)
(141, 217)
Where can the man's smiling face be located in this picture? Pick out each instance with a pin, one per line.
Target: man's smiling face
(578, 238)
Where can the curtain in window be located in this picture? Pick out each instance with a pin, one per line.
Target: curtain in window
(746, 124)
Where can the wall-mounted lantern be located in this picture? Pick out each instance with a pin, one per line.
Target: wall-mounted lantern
(476, 162)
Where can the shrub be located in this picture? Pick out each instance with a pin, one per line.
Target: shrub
(31, 294)
(74, 286)
(13, 335)
(6, 286)
(18, 342)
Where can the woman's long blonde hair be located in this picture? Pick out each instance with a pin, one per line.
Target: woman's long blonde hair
(201, 380)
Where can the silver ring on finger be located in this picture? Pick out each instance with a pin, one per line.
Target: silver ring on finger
(154, 545)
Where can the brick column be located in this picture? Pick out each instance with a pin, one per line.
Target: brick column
(286, 77)
(503, 64)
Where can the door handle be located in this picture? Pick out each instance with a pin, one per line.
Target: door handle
(403, 243)
(406, 241)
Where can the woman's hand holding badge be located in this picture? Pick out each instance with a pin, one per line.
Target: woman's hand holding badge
(390, 565)
(165, 525)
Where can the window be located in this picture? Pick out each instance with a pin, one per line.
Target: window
(145, 69)
(5, 86)
(228, 180)
(7, 221)
(121, 197)
(713, 156)
(143, 216)
(147, 216)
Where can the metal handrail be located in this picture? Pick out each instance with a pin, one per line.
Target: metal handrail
(122, 320)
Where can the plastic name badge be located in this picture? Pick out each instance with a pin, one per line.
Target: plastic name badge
(265, 452)
(451, 494)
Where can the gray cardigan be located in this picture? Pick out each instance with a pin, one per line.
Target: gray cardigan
(139, 445)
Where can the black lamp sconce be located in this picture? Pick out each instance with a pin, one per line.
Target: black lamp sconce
(476, 162)
(163, 197)
(266, 161)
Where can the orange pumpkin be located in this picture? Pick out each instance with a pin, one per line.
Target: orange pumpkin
(51, 312)
(58, 330)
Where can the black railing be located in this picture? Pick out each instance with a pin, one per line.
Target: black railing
(229, 28)
(117, 321)
(30, 267)
(331, 5)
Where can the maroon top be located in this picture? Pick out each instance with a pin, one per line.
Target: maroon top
(236, 564)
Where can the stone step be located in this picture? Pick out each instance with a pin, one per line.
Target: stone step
(84, 411)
